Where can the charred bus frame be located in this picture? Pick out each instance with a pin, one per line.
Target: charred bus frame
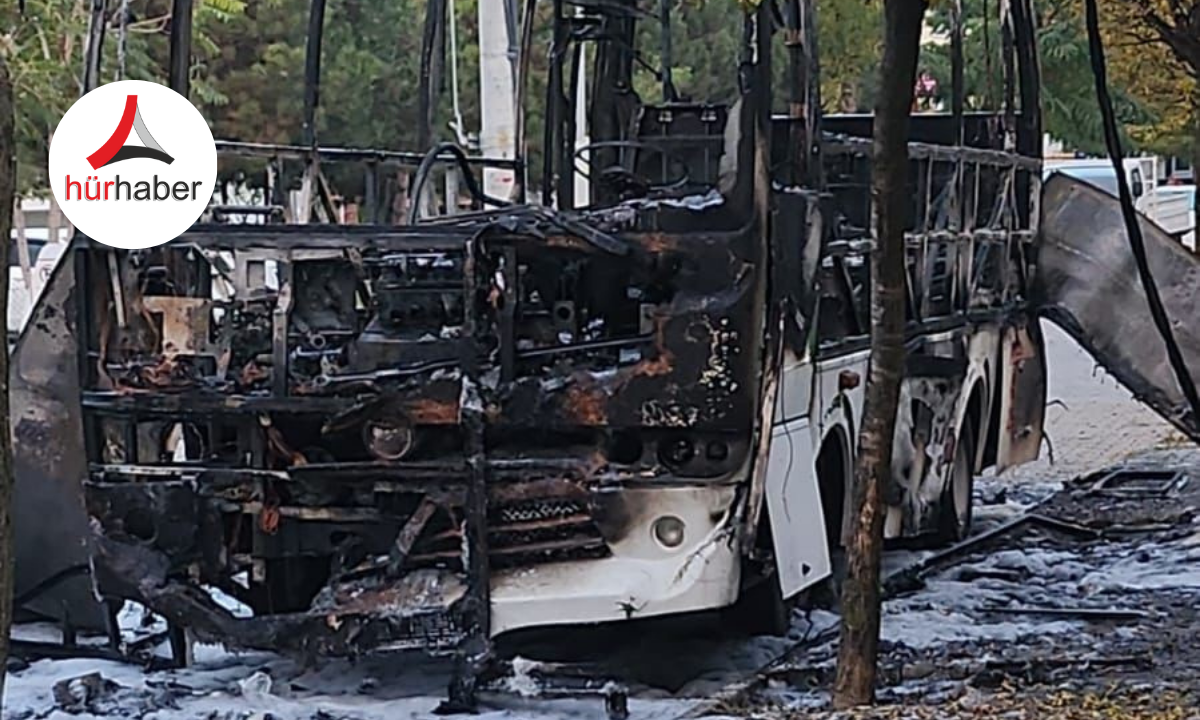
(418, 436)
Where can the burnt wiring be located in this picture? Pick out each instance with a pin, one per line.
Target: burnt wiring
(1137, 243)
(612, 173)
(425, 169)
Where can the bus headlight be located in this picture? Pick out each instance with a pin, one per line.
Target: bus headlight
(677, 452)
(388, 439)
(669, 531)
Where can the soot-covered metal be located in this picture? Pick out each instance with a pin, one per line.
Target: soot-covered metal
(299, 420)
(350, 430)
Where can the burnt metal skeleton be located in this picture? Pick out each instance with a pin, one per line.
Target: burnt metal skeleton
(420, 435)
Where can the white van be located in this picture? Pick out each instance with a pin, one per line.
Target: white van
(1140, 173)
(1173, 207)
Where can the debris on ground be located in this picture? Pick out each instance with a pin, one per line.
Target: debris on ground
(1143, 702)
(1094, 599)
(96, 695)
(1069, 606)
(961, 640)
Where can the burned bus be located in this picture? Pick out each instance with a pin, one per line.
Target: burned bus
(641, 400)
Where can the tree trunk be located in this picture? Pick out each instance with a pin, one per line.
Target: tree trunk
(861, 594)
(1195, 156)
(8, 182)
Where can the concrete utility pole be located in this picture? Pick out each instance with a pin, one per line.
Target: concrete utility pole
(583, 188)
(497, 97)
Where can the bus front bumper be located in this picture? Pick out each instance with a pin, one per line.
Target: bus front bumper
(677, 552)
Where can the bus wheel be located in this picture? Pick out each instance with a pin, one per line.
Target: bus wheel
(954, 515)
(761, 609)
(828, 594)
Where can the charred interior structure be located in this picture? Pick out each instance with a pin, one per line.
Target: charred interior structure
(420, 435)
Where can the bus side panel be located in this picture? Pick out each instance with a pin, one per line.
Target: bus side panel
(1022, 394)
(794, 506)
(49, 462)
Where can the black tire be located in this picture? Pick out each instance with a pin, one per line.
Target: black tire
(828, 594)
(832, 477)
(956, 510)
(761, 609)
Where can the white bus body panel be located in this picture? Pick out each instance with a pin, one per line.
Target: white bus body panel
(641, 578)
(813, 405)
(794, 505)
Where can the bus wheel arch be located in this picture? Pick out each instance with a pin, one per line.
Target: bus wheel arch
(956, 511)
(976, 420)
(761, 608)
(835, 468)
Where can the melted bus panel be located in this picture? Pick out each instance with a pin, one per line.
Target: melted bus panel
(1088, 284)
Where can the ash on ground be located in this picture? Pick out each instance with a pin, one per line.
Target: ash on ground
(1091, 604)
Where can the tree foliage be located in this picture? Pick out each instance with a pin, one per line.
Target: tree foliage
(45, 45)
(247, 74)
(850, 37)
(44, 52)
(1157, 56)
(1171, 23)
(1068, 91)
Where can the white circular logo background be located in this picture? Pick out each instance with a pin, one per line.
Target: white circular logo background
(133, 164)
